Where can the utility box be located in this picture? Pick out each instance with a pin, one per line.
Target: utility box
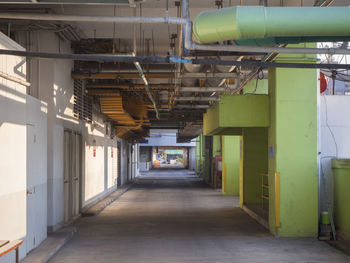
(341, 174)
(235, 112)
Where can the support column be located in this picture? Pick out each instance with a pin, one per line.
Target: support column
(293, 150)
(230, 165)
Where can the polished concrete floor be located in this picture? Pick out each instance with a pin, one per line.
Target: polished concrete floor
(172, 216)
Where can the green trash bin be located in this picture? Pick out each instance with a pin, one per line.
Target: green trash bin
(341, 175)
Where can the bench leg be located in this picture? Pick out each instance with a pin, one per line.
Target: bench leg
(17, 255)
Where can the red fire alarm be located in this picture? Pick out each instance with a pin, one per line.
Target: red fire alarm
(112, 153)
(94, 148)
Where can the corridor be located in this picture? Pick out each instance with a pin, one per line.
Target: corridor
(172, 216)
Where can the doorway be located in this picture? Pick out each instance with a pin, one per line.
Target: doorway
(72, 175)
(36, 184)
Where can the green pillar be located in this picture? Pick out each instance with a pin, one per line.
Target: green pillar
(198, 153)
(293, 150)
(230, 165)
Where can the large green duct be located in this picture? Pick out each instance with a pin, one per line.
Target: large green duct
(271, 41)
(259, 22)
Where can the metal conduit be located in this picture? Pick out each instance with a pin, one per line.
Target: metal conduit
(188, 44)
(97, 19)
(156, 59)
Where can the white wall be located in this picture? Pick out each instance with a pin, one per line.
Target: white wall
(334, 139)
(165, 138)
(32, 131)
(13, 143)
(36, 120)
(53, 84)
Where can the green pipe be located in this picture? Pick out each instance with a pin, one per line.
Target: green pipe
(257, 22)
(271, 41)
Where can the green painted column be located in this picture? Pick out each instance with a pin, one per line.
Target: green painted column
(230, 165)
(198, 153)
(255, 162)
(216, 145)
(293, 150)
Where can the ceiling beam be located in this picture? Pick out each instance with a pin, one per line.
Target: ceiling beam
(202, 89)
(121, 75)
(130, 87)
(206, 75)
(192, 106)
(197, 99)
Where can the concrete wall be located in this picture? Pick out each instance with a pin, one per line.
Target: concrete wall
(334, 142)
(145, 158)
(13, 153)
(32, 144)
(55, 86)
(164, 138)
(36, 120)
(255, 162)
(231, 165)
(192, 158)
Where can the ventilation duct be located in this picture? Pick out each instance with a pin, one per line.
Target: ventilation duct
(272, 24)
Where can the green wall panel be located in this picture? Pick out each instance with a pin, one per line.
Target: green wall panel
(236, 111)
(231, 162)
(216, 145)
(255, 162)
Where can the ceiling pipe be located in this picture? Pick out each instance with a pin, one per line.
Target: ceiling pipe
(246, 22)
(188, 44)
(97, 19)
(14, 79)
(156, 59)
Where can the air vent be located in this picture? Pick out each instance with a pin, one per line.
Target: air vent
(82, 102)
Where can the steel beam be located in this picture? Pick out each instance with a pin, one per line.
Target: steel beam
(202, 89)
(192, 106)
(121, 76)
(197, 99)
(129, 87)
(205, 75)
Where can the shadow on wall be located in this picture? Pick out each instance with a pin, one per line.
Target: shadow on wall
(13, 101)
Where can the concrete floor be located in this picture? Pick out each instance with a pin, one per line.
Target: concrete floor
(171, 216)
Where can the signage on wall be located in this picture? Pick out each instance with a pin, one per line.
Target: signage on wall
(271, 152)
(112, 153)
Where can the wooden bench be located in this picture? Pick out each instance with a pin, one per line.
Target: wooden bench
(6, 246)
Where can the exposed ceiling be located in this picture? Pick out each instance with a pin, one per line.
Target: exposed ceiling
(178, 92)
